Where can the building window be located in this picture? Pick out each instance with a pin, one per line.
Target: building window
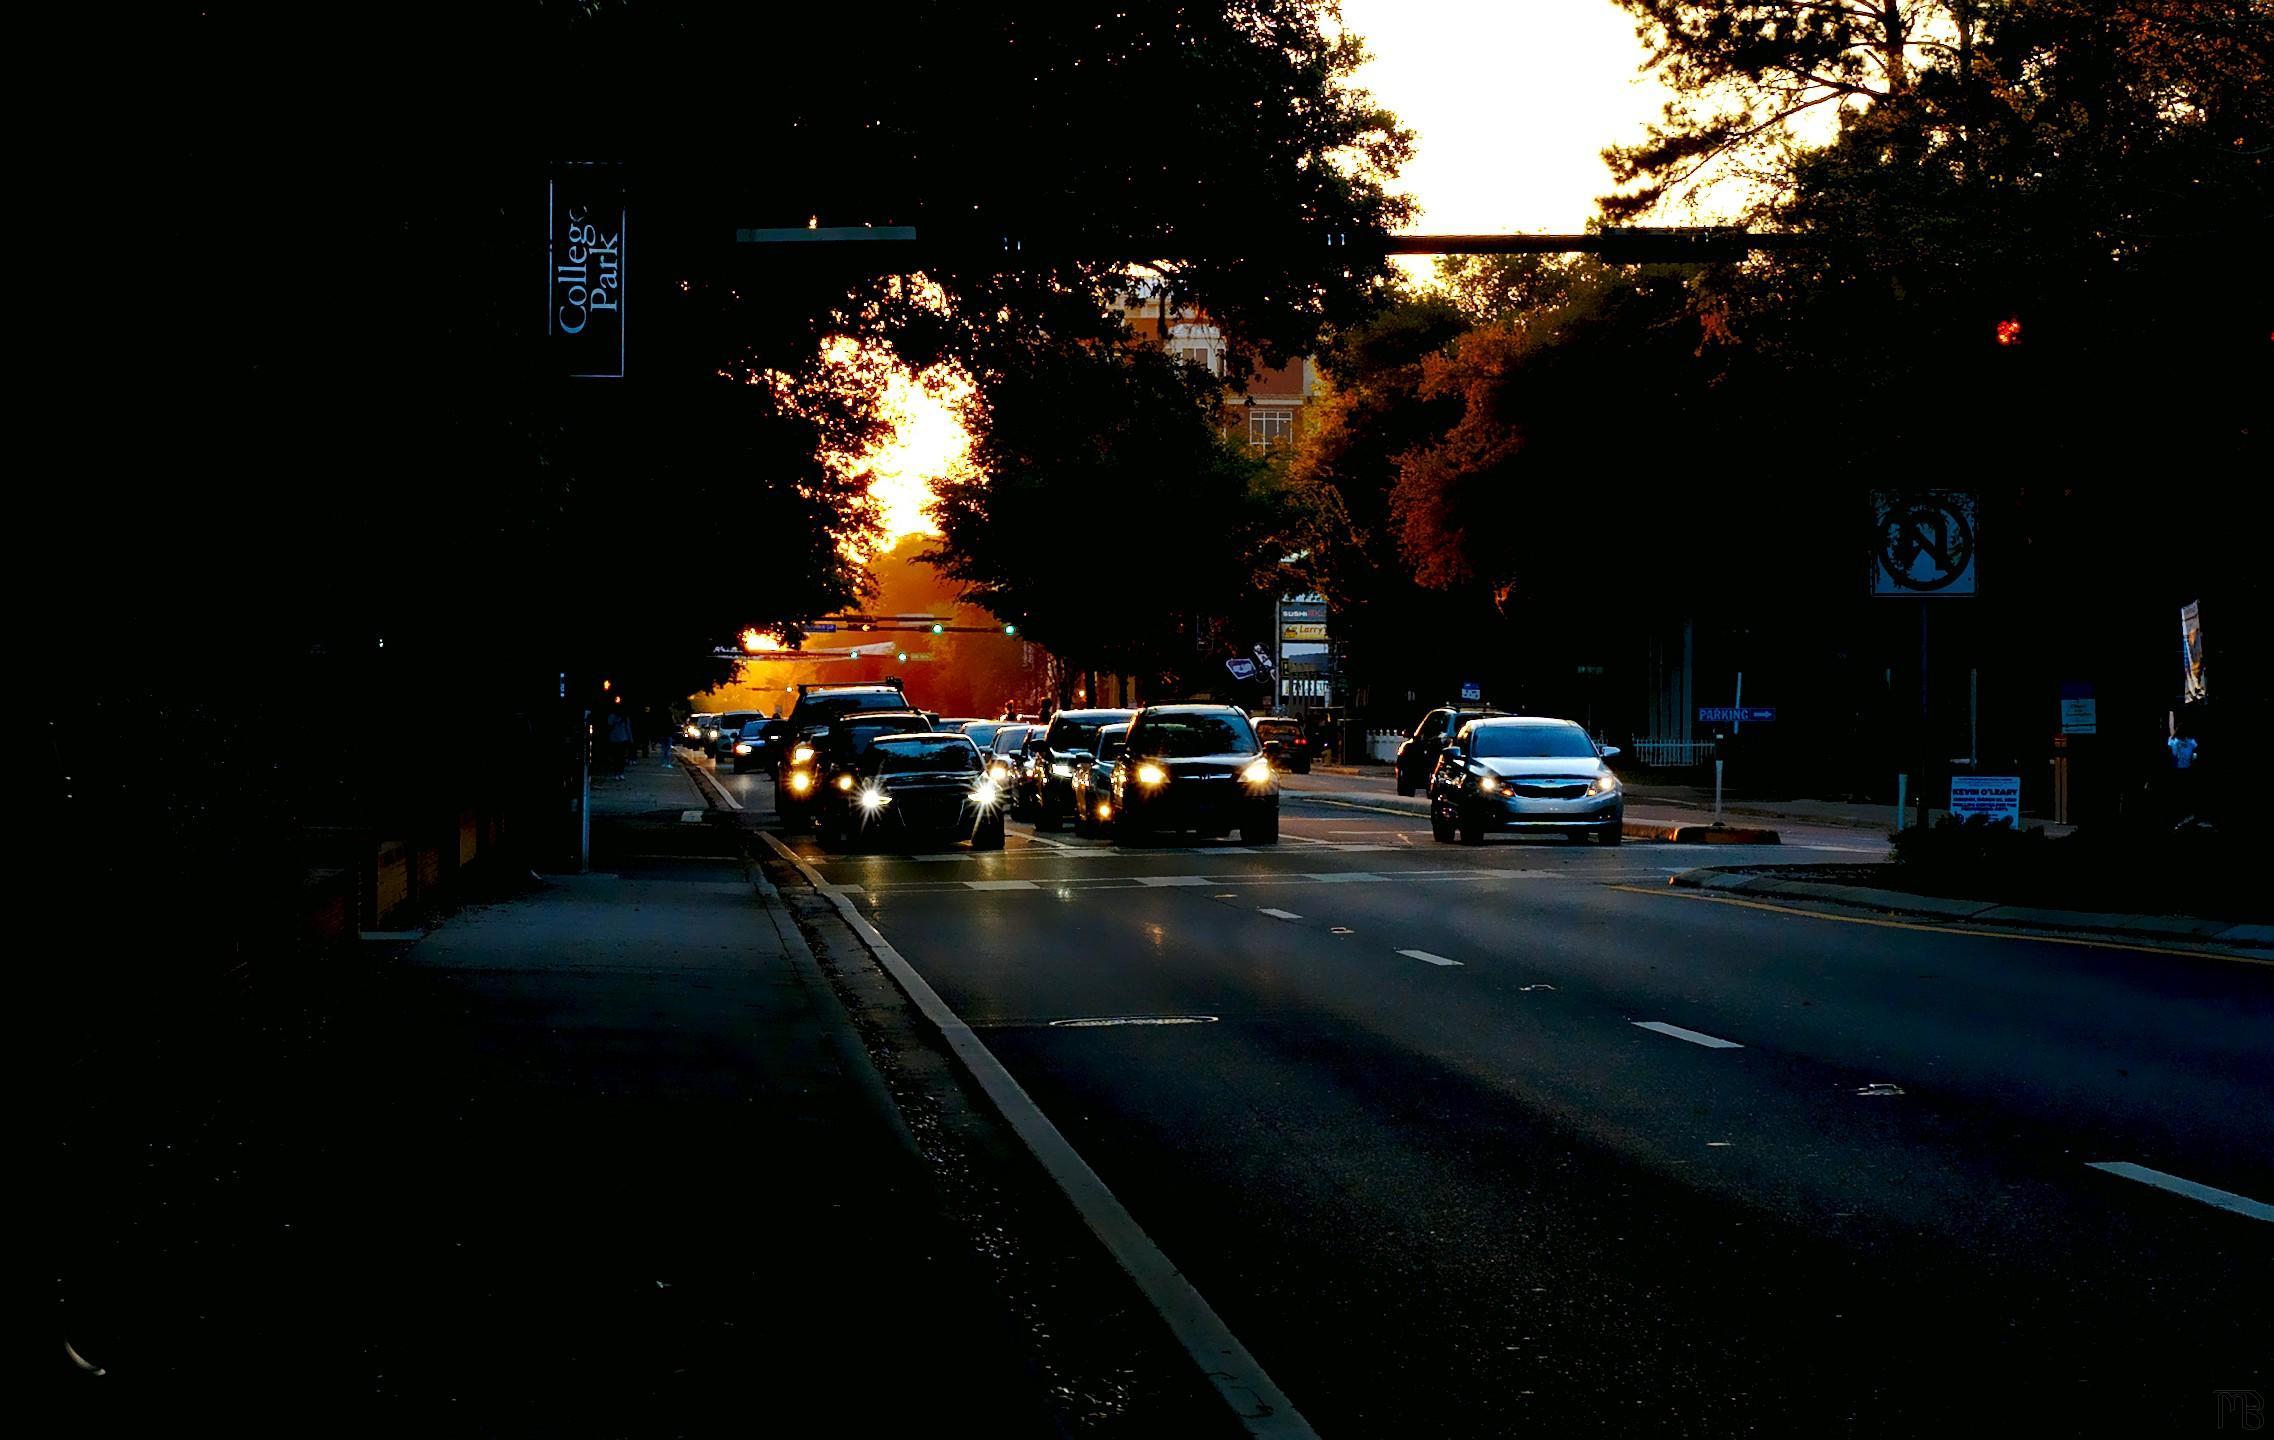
(1270, 426)
(1198, 353)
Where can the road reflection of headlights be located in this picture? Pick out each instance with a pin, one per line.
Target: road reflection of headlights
(1151, 775)
(873, 799)
(1257, 773)
(1062, 770)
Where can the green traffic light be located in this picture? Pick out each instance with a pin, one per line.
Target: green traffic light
(1010, 629)
(939, 629)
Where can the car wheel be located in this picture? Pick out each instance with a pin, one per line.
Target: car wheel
(1303, 767)
(1405, 786)
(1611, 834)
(1472, 830)
(1440, 825)
(989, 835)
(1045, 819)
(1126, 830)
(1261, 829)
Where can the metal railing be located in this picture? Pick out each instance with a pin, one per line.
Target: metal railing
(1672, 754)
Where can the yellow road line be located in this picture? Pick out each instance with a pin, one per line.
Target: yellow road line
(1941, 929)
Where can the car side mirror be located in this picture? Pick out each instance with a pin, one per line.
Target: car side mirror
(1450, 752)
(1609, 750)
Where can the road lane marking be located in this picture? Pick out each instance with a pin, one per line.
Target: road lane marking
(1258, 1404)
(2209, 1195)
(1099, 1021)
(1336, 877)
(1053, 844)
(2040, 938)
(701, 776)
(1000, 885)
(1277, 914)
(1160, 880)
(1426, 958)
(1695, 1037)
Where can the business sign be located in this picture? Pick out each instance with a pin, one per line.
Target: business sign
(2191, 637)
(1241, 669)
(1305, 657)
(1923, 542)
(1735, 714)
(1471, 690)
(584, 271)
(1303, 689)
(1993, 797)
(1303, 611)
(1304, 630)
(2080, 712)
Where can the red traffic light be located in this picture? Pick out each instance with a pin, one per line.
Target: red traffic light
(2009, 331)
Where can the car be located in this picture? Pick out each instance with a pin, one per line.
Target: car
(755, 747)
(1513, 772)
(728, 725)
(700, 730)
(906, 787)
(821, 758)
(982, 732)
(1292, 739)
(1007, 755)
(1417, 753)
(1195, 767)
(817, 704)
(1046, 790)
(1093, 781)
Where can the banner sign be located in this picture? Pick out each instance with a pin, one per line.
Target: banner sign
(1993, 797)
(1922, 542)
(584, 271)
(2191, 636)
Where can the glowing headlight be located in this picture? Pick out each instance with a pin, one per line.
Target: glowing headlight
(844, 782)
(1151, 775)
(801, 755)
(1000, 772)
(1605, 784)
(1488, 783)
(984, 793)
(873, 798)
(1105, 810)
(1062, 770)
(741, 747)
(1257, 773)
(800, 782)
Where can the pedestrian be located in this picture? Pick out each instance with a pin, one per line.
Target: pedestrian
(619, 741)
(2183, 748)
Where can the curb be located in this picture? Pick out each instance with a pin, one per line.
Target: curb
(1664, 831)
(1979, 912)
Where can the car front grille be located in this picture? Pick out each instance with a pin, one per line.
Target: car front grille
(1551, 789)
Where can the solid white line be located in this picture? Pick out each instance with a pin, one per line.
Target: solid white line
(1160, 880)
(2209, 1195)
(1278, 914)
(1711, 1042)
(702, 775)
(1336, 877)
(1426, 958)
(1240, 1382)
(1000, 885)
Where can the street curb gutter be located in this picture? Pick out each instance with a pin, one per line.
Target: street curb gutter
(1236, 1377)
(1670, 833)
(1979, 912)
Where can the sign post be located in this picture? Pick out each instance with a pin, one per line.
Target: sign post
(1923, 548)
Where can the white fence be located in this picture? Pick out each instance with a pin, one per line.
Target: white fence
(1672, 754)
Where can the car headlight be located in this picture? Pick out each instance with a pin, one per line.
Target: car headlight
(1061, 769)
(872, 799)
(844, 782)
(984, 794)
(1605, 784)
(1105, 810)
(800, 782)
(1152, 775)
(1000, 772)
(741, 747)
(1257, 773)
(1489, 784)
(801, 755)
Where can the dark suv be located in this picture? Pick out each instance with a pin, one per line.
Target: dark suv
(1047, 787)
(1195, 767)
(819, 757)
(1417, 754)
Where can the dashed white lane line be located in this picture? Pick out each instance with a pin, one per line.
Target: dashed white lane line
(1277, 914)
(1426, 958)
(690, 817)
(1711, 1042)
(1157, 881)
(1000, 885)
(1336, 877)
(2208, 1194)
(1053, 844)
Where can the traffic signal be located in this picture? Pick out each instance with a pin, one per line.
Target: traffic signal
(1010, 629)
(939, 629)
(903, 656)
(2009, 331)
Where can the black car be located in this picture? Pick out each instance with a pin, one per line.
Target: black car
(1525, 773)
(1046, 789)
(817, 705)
(1093, 781)
(1195, 767)
(729, 725)
(1292, 739)
(820, 759)
(756, 746)
(1417, 754)
(906, 787)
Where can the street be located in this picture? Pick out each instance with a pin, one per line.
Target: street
(1471, 1141)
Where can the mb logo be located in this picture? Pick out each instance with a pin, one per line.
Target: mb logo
(2243, 1411)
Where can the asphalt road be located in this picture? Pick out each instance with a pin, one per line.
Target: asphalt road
(1513, 1139)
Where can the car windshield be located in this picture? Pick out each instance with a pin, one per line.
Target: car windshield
(1530, 742)
(1070, 734)
(902, 757)
(1171, 736)
(1112, 740)
(821, 707)
(854, 736)
(1007, 739)
(753, 729)
(738, 719)
(1277, 729)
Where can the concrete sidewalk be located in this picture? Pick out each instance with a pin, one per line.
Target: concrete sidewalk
(608, 1158)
